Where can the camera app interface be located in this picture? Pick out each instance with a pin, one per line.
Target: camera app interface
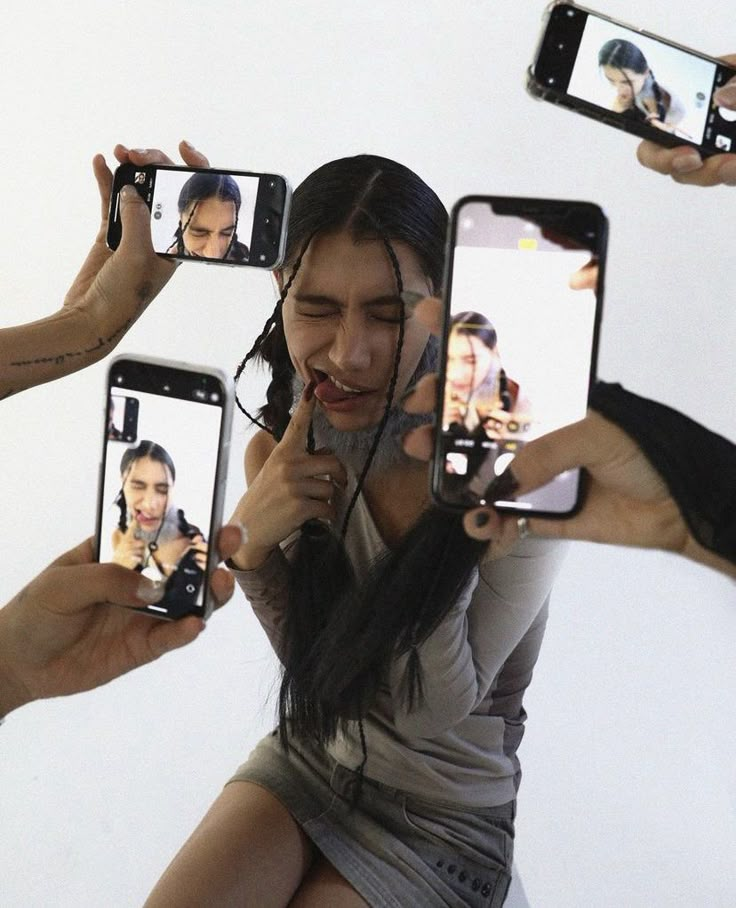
(159, 479)
(518, 358)
(643, 79)
(203, 214)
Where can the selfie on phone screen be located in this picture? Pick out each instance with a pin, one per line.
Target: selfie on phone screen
(215, 216)
(159, 485)
(520, 344)
(204, 215)
(590, 58)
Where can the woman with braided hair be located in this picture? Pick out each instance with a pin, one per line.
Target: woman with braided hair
(392, 776)
(638, 94)
(209, 208)
(152, 535)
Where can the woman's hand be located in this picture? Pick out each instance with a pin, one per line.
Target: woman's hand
(128, 549)
(286, 487)
(200, 549)
(62, 633)
(627, 502)
(684, 164)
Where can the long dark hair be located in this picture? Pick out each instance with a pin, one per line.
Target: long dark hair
(339, 636)
(198, 188)
(622, 55)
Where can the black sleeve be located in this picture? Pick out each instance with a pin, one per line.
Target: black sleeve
(698, 466)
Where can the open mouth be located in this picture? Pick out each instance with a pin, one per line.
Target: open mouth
(331, 390)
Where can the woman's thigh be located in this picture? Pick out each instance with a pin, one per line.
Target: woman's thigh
(324, 887)
(247, 851)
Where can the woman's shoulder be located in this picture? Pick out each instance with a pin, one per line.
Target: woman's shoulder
(257, 452)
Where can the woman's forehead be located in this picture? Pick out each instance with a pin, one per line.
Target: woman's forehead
(338, 261)
(147, 466)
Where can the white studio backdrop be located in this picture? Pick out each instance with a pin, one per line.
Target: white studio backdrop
(629, 792)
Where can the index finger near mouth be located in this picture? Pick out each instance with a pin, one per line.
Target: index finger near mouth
(297, 431)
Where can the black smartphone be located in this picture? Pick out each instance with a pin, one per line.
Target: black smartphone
(162, 485)
(224, 216)
(631, 79)
(523, 296)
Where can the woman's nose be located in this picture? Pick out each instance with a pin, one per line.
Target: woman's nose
(216, 246)
(350, 349)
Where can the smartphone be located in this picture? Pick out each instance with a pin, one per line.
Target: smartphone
(631, 79)
(223, 216)
(162, 482)
(523, 294)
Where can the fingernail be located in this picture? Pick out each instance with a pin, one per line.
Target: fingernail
(411, 298)
(188, 144)
(725, 95)
(127, 192)
(503, 487)
(481, 518)
(687, 162)
(150, 590)
(140, 150)
(727, 173)
(407, 394)
(308, 392)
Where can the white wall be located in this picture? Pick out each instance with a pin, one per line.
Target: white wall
(629, 796)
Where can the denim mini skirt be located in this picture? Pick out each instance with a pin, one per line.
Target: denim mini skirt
(396, 849)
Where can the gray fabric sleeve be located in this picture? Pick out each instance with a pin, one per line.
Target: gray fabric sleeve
(267, 590)
(464, 655)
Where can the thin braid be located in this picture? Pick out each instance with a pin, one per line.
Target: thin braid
(271, 321)
(180, 248)
(391, 387)
(658, 100)
(233, 235)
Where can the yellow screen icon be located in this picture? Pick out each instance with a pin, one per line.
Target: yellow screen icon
(527, 242)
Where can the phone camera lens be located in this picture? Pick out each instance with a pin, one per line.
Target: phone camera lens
(157, 215)
(271, 184)
(561, 45)
(551, 80)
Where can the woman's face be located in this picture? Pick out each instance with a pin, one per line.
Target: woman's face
(209, 232)
(469, 360)
(147, 488)
(341, 321)
(627, 83)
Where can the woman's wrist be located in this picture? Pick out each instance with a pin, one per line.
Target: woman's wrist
(250, 557)
(13, 693)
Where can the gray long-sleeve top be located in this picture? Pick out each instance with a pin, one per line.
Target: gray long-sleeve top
(459, 744)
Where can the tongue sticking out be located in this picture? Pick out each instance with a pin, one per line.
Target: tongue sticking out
(328, 392)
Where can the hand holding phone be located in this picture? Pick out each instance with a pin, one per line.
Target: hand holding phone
(161, 495)
(633, 80)
(683, 163)
(201, 213)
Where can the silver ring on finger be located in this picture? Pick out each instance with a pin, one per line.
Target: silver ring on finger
(522, 525)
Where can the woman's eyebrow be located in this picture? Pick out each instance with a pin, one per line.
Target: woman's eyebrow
(317, 299)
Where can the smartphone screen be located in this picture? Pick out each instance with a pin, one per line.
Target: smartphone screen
(523, 304)
(230, 217)
(164, 460)
(633, 79)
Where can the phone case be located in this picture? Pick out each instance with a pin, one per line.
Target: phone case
(185, 583)
(543, 92)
